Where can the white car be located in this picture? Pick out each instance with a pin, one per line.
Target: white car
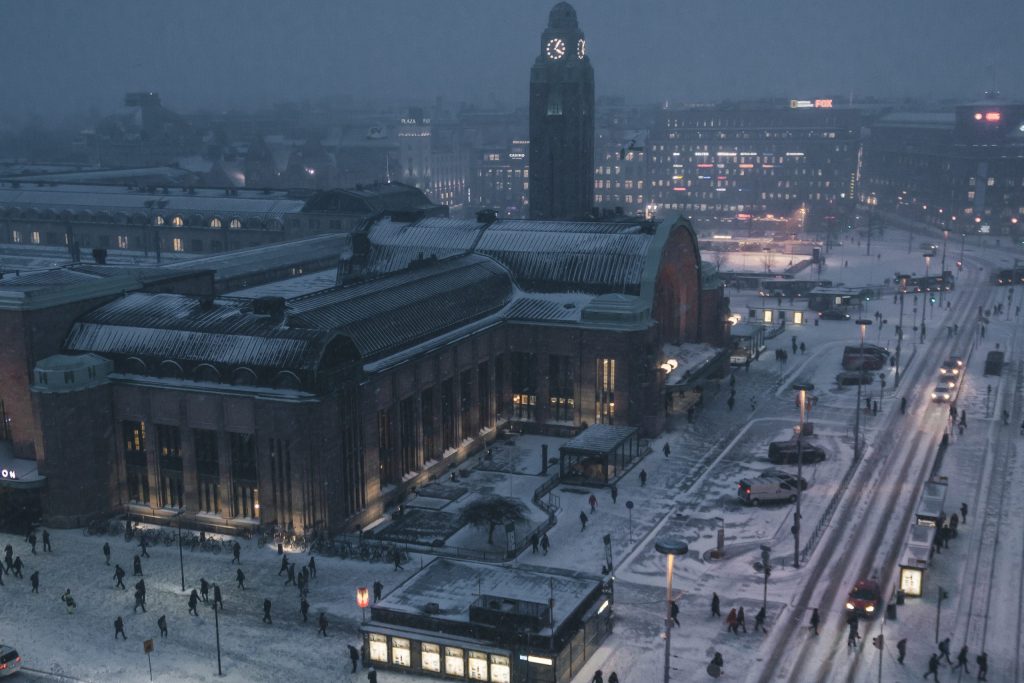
(942, 394)
(949, 367)
(10, 661)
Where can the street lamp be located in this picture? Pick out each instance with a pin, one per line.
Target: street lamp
(899, 336)
(216, 623)
(945, 238)
(856, 415)
(803, 389)
(766, 566)
(925, 295)
(669, 548)
(363, 599)
(181, 556)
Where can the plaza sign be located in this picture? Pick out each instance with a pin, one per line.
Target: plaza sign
(8, 474)
(810, 104)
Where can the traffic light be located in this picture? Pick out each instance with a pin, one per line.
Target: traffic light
(878, 641)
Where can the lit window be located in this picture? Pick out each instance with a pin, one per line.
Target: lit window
(500, 672)
(158, 220)
(454, 664)
(605, 394)
(178, 221)
(477, 666)
(177, 244)
(35, 237)
(122, 241)
(430, 657)
(400, 653)
(215, 223)
(235, 224)
(378, 647)
(16, 236)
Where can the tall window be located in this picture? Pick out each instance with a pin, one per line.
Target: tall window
(499, 385)
(16, 236)
(407, 434)
(523, 378)
(35, 237)
(465, 404)
(448, 414)
(122, 241)
(178, 221)
(390, 463)
(562, 388)
(245, 476)
(215, 223)
(427, 424)
(235, 224)
(605, 394)
(178, 244)
(483, 388)
(134, 435)
(281, 478)
(172, 487)
(207, 469)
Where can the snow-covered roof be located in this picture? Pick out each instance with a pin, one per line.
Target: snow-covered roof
(298, 253)
(599, 438)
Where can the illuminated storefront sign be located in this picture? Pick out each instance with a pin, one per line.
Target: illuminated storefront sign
(810, 104)
(8, 474)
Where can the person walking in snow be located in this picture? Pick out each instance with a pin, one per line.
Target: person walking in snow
(614, 678)
(32, 542)
(759, 620)
(716, 667)
(643, 478)
(815, 620)
(161, 624)
(665, 449)
(284, 565)
(715, 605)
(615, 494)
(674, 611)
(34, 578)
(598, 677)
(139, 602)
(119, 576)
(218, 599)
(593, 503)
(8, 557)
(982, 661)
(69, 602)
(741, 619)
(236, 553)
(106, 553)
(46, 542)
(944, 651)
(378, 590)
(583, 521)
(398, 559)
(204, 590)
(17, 567)
(961, 660)
(730, 621)
(312, 566)
(963, 512)
(854, 634)
(353, 654)
(137, 566)
(266, 611)
(304, 609)
(933, 667)
(322, 624)
(193, 603)
(240, 578)
(901, 649)
(119, 628)
(534, 542)
(291, 575)
(545, 543)
(144, 544)
(371, 675)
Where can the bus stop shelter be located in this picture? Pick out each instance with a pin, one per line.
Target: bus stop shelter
(599, 454)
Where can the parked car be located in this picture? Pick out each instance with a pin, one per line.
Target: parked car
(785, 452)
(958, 359)
(949, 367)
(785, 477)
(994, 363)
(873, 349)
(851, 378)
(867, 361)
(864, 599)
(10, 661)
(757, 490)
(942, 394)
(833, 314)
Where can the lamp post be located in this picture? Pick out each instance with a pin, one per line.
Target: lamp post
(803, 389)
(629, 506)
(899, 336)
(669, 548)
(925, 295)
(216, 624)
(181, 556)
(942, 287)
(363, 599)
(863, 323)
(766, 566)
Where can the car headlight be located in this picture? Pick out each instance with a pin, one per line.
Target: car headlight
(849, 605)
(934, 395)
(869, 609)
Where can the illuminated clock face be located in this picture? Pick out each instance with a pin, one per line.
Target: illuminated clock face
(555, 48)
(581, 49)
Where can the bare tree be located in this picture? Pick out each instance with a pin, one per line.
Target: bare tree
(490, 511)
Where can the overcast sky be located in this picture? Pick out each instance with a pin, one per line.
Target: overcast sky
(59, 58)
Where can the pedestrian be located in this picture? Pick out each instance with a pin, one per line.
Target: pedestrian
(304, 609)
(322, 624)
(665, 449)
(535, 542)
(34, 578)
(32, 542)
(689, 416)
(69, 602)
(353, 654)
(8, 556)
(717, 665)
(753, 403)
(963, 418)
(545, 543)
(204, 590)
(853, 635)
(139, 602)
(161, 624)
(236, 553)
(583, 520)
(903, 405)
(398, 559)
(615, 494)
(944, 651)
(17, 567)
(218, 599)
(240, 578)
(598, 677)
(378, 590)
(759, 620)
(933, 667)
(137, 566)
(715, 604)
(954, 524)
(741, 619)
(371, 675)
(815, 620)
(106, 553)
(674, 611)
(730, 621)
(731, 402)
(982, 661)
(193, 603)
(643, 478)
(312, 566)
(291, 575)
(266, 611)
(803, 348)
(46, 542)
(874, 407)
(119, 576)
(963, 512)
(284, 565)
(614, 678)
(901, 648)
(1006, 417)
(143, 543)
(119, 628)
(961, 660)
(593, 503)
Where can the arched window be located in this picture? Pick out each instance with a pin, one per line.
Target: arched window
(178, 222)
(205, 372)
(135, 366)
(170, 369)
(235, 224)
(215, 223)
(287, 380)
(243, 377)
(158, 220)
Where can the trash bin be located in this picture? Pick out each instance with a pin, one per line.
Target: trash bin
(890, 612)
(900, 597)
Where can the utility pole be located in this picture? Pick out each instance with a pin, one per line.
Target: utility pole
(803, 389)
(938, 610)
(863, 323)
(766, 565)
(899, 335)
(942, 287)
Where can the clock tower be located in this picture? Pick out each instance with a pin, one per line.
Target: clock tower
(562, 121)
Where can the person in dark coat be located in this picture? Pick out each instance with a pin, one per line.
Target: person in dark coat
(312, 566)
(643, 478)
(46, 542)
(139, 602)
(378, 590)
(137, 566)
(598, 677)
(741, 620)
(204, 590)
(944, 651)
(665, 449)
(161, 623)
(593, 503)
(240, 578)
(961, 660)
(193, 602)
(17, 567)
(236, 553)
(815, 620)
(901, 648)
(545, 543)
(119, 628)
(266, 611)
(141, 587)
(371, 675)
(615, 493)
(119, 576)
(34, 578)
(535, 542)
(291, 575)
(583, 520)
(69, 602)
(284, 565)
(963, 512)
(322, 624)
(674, 611)
(106, 552)
(759, 620)
(353, 654)
(715, 605)
(218, 599)
(398, 559)
(32, 542)
(8, 556)
(982, 661)
(854, 634)
(614, 678)
(730, 621)
(304, 609)
(144, 544)
(933, 667)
